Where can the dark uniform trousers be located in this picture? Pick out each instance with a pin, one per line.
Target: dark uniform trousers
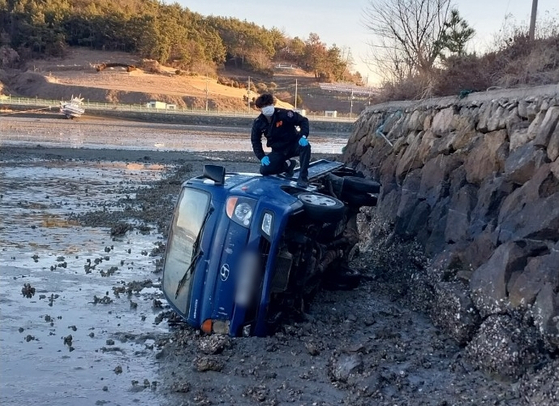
(278, 160)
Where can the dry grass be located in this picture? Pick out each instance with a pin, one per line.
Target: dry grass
(520, 62)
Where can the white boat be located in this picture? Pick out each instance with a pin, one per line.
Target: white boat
(72, 108)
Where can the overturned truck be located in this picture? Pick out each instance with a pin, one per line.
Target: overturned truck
(245, 250)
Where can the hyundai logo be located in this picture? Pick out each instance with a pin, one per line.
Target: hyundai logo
(224, 272)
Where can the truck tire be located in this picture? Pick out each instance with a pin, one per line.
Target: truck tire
(358, 191)
(354, 184)
(361, 199)
(322, 208)
(341, 278)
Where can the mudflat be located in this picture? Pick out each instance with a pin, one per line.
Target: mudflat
(84, 321)
(51, 130)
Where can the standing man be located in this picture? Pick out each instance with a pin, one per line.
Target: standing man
(286, 133)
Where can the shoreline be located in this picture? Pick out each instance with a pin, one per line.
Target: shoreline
(168, 117)
(164, 138)
(15, 152)
(233, 161)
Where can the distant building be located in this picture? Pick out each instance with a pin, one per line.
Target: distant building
(331, 113)
(156, 105)
(285, 66)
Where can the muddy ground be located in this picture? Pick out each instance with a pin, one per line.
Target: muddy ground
(369, 346)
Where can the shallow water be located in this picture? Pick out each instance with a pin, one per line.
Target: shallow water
(100, 134)
(40, 363)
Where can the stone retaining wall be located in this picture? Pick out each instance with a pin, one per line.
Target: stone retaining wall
(476, 182)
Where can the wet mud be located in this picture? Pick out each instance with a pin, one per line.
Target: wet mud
(64, 329)
(95, 133)
(84, 321)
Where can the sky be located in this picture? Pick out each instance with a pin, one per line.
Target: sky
(342, 22)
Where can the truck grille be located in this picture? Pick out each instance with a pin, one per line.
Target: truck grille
(264, 247)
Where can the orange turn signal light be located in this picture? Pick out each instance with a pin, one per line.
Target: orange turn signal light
(230, 208)
(207, 326)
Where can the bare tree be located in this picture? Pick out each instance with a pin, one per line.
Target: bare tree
(408, 35)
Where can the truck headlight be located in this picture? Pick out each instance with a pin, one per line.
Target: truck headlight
(243, 213)
(240, 210)
(267, 222)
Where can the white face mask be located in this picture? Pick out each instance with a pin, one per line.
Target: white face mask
(268, 111)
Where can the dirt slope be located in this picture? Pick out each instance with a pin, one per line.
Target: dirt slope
(76, 74)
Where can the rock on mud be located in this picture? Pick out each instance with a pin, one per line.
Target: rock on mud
(209, 363)
(503, 347)
(341, 368)
(213, 344)
(28, 291)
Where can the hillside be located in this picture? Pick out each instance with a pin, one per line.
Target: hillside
(76, 74)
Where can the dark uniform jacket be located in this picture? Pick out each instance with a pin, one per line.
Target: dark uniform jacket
(281, 132)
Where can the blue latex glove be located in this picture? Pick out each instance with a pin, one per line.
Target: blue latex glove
(303, 141)
(265, 161)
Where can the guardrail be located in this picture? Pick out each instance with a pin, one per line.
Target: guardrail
(87, 105)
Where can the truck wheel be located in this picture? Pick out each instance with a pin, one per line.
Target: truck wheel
(361, 199)
(355, 184)
(341, 278)
(325, 209)
(356, 191)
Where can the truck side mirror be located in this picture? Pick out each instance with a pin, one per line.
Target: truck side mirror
(215, 173)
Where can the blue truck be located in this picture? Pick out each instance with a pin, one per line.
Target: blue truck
(245, 250)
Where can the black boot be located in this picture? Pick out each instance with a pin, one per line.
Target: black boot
(303, 182)
(290, 168)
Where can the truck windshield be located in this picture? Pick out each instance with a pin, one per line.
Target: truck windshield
(190, 215)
